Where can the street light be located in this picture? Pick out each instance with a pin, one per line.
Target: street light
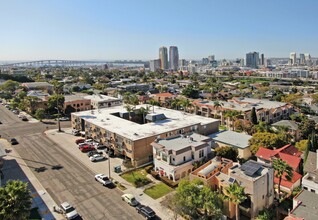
(58, 114)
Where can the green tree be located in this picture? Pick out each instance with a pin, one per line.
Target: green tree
(9, 86)
(153, 103)
(254, 116)
(227, 152)
(185, 103)
(55, 101)
(301, 145)
(144, 111)
(197, 201)
(190, 92)
(282, 169)
(267, 140)
(129, 109)
(30, 103)
(262, 127)
(235, 194)
(176, 103)
(15, 200)
(265, 215)
(40, 113)
(307, 127)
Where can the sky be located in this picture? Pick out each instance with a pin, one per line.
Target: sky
(135, 29)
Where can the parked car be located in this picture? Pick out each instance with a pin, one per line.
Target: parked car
(80, 140)
(103, 179)
(101, 148)
(83, 144)
(76, 132)
(69, 211)
(86, 148)
(93, 152)
(97, 157)
(14, 141)
(24, 118)
(146, 211)
(64, 119)
(130, 199)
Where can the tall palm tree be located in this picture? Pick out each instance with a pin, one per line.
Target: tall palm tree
(129, 109)
(235, 194)
(144, 111)
(175, 104)
(153, 103)
(217, 104)
(15, 200)
(282, 169)
(185, 103)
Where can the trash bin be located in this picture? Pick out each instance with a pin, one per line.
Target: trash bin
(117, 169)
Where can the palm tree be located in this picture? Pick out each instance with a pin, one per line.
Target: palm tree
(235, 194)
(153, 103)
(232, 115)
(129, 109)
(185, 103)
(175, 104)
(282, 169)
(15, 200)
(217, 104)
(144, 111)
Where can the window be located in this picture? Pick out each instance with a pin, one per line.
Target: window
(312, 190)
(173, 159)
(184, 158)
(164, 157)
(263, 196)
(201, 153)
(305, 188)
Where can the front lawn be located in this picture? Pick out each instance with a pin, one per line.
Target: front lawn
(137, 177)
(158, 190)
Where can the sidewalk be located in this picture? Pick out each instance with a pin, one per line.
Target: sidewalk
(67, 141)
(16, 168)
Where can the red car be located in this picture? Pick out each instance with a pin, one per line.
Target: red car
(81, 140)
(87, 148)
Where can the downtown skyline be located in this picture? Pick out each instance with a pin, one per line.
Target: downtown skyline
(110, 30)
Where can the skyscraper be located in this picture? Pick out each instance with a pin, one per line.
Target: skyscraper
(252, 59)
(262, 60)
(173, 57)
(163, 56)
(292, 58)
(302, 59)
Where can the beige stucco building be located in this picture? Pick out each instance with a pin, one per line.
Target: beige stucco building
(126, 136)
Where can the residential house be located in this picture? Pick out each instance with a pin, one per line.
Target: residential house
(233, 139)
(174, 156)
(291, 156)
(310, 180)
(292, 127)
(164, 99)
(102, 101)
(45, 86)
(304, 206)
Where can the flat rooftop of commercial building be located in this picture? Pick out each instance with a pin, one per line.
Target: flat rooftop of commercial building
(71, 98)
(100, 98)
(232, 138)
(175, 120)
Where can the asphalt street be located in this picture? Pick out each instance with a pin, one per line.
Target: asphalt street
(61, 174)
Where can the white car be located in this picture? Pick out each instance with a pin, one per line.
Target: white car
(103, 179)
(97, 157)
(69, 210)
(130, 199)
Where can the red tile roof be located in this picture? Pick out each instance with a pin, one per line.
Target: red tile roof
(286, 183)
(288, 153)
(165, 94)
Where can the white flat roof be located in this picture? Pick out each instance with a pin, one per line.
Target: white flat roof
(232, 138)
(100, 98)
(175, 120)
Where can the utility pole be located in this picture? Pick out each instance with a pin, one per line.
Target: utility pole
(108, 164)
(58, 113)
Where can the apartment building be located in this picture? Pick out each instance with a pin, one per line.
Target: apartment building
(122, 132)
(102, 101)
(174, 156)
(258, 181)
(163, 98)
(266, 110)
(76, 103)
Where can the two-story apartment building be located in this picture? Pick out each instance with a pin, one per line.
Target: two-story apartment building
(76, 103)
(102, 101)
(119, 132)
(174, 156)
(266, 110)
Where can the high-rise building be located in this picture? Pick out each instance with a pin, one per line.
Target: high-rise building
(163, 56)
(262, 60)
(308, 60)
(173, 58)
(302, 59)
(211, 58)
(205, 60)
(154, 65)
(292, 58)
(252, 59)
